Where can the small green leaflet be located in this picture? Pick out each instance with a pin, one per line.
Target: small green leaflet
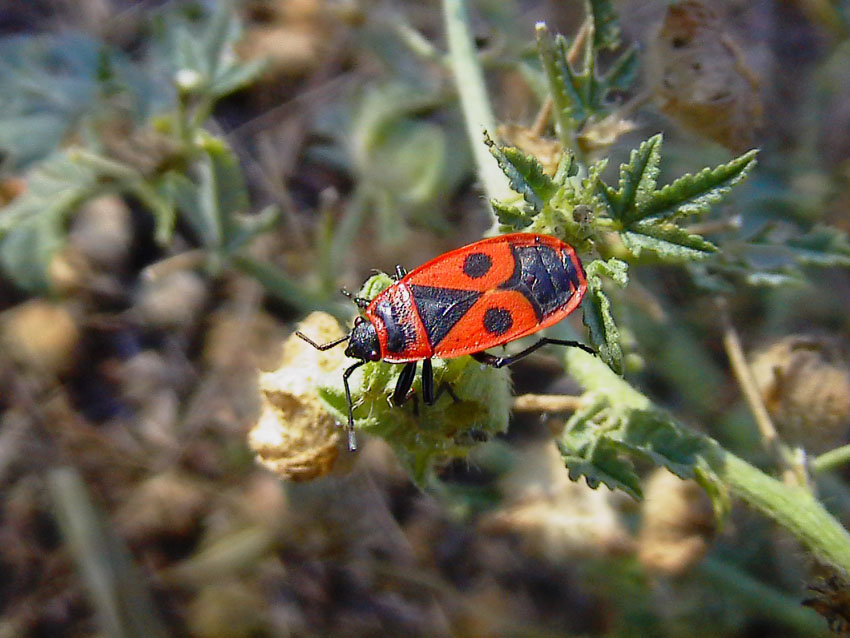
(596, 306)
(637, 198)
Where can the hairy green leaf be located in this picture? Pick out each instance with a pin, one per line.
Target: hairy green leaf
(512, 217)
(525, 173)
(694, 194)
(668, 242)
(637, 180)
(606, 30)
(604, 334)
(32, 226)
(564, 85)
(602, 463)
(598, 439)
(588, 452)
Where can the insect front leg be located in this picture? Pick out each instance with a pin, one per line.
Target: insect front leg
(352, 441)
(500, 362)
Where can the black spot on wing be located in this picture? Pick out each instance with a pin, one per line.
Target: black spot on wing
(476, 265)
(498, 321)
(441, 308)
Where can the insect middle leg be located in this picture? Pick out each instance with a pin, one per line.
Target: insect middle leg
(428, 394)
(404, 385)
(500, 362)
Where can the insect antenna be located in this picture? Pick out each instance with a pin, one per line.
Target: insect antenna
(360, 301)
(321, 346)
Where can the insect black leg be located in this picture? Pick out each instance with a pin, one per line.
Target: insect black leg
(352, 442)
(428, 394)
(404, 383)
(400, 272)
(500, 362)
(322, 346)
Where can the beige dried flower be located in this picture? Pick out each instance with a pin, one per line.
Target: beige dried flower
(805, 384)
(295, 436)
(678, 524)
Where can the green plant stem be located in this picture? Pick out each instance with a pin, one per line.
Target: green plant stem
(793, 507)
(831, 460)
(767, 600)
(474, 102)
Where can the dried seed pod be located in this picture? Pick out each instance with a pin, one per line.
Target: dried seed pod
(805, 384)
(295, 436)
(678, 524)
(701, 78)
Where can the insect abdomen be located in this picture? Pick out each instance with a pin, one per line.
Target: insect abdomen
(543, 275)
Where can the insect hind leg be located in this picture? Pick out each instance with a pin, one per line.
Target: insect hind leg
(501, 362)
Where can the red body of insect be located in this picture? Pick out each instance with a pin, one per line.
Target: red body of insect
(477, 297)
(467, 300)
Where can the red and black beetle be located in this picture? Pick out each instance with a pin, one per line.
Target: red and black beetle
(476, 297)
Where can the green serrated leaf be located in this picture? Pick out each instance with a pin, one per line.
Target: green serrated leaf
(526, 175)
(598, 318)
(32, 225)
(514, 217)
(637, 180)
(567, 167)
(604, 465)
(655, 435)
(588, 452)
(694, 194)
(606, 30)
(667, 242)
(564, 86)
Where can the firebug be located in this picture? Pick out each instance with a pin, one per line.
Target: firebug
(463, 302)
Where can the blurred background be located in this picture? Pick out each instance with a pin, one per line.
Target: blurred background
(182, 182)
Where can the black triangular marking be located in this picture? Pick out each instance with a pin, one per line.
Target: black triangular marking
(441, 308)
